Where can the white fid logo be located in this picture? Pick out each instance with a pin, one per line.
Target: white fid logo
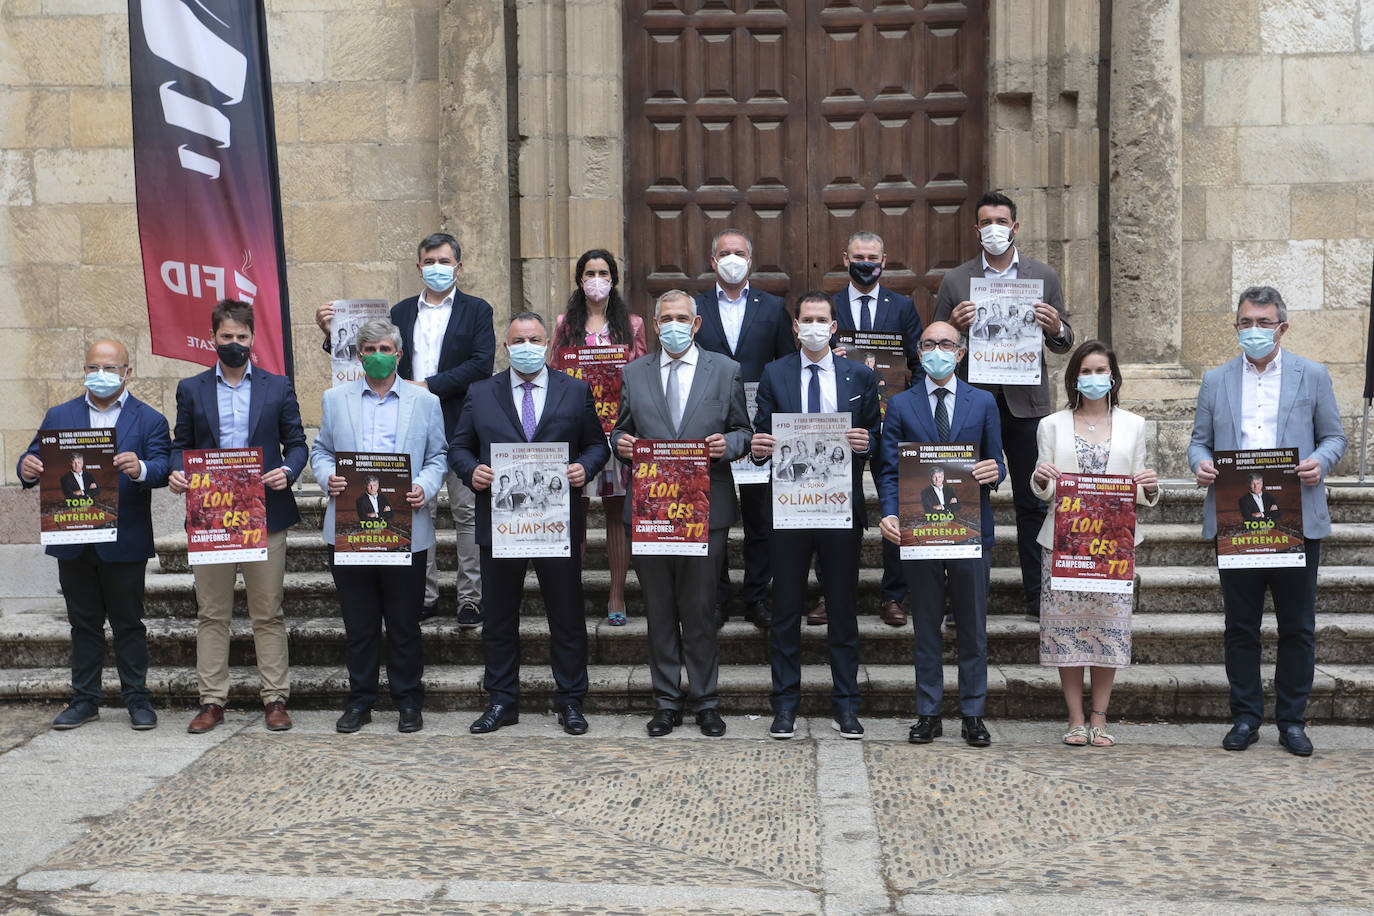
(195, 280)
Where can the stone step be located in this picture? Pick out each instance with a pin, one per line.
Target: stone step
(1160, 590)
(1340, 693)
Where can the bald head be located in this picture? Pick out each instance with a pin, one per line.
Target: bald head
(942, 330)
(107, 352)
(108, 357)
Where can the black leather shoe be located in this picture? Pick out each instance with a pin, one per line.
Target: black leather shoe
(469, 616)
(759, 615)
(571, 718)
(712, 725)
(975, 733)
(78, 713)
(412, 720)
(663, 722)
(1241, 736)
(1294, 738)
(352, 720)
(784, 724)
(721, 616)
(142, 717)
(847, 724)
(926, 730)
(497, 715)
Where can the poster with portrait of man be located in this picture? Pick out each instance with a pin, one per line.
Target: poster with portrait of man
(813, 486)
(349, 316)
(372, 520)
(1004, 342)
(530, 504)
(1259, 509)
(939, 508)
(78, 491)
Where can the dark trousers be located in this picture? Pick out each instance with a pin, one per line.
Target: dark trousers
(370, 596)
(894, 585)
(679, 595)
(965, 581)
(755, 511)
(96, 591)
(503, 587)
(1020, 446)
(1295, 596)
(838, 555)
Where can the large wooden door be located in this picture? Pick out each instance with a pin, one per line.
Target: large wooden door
(799, 122)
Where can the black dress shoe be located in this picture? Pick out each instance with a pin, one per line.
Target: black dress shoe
(1241, 736)
(710, 722)
(926, 730)
(412, 720)
(759, 615)
(469, 616)
(353, 719)
(847, 724)
(497, 715)
(975, 733)
(663, 722)
(571, 718)
(1294, 738)
(142, 717)
(784, 724)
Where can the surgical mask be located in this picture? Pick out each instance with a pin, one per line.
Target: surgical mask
(864, 273)
(437, 277)
(676, 336)
(102, 384)
(527, 358)
(596, 288)
(232, 355)
(938, 363)
(1094, 387)
(379, 365)
(1257, 342)
(996, 239)
(814, 335)
(732, 268)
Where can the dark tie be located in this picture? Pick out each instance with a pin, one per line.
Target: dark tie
(813, 390)
(527, 411)
(941, 414)
(865, 316)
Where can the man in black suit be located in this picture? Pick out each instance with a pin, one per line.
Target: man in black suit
(449, 344)
(937, 497)
(78, 482)
(753, 328)
(1253, 506)
(528, 403)
(373, 506)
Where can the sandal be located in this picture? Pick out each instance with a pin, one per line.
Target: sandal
(615, 618)
(1097, 735)
(1077, 736)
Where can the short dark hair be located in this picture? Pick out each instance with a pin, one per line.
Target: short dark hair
(813, 295)
(526, 316)
(995, 199)
(231, 310)
(434, 240)
(1085, 349)
(1264, 295)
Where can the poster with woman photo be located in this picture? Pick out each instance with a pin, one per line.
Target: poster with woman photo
(371, 517)
(813, 486)
(1259, 509)
(1004, 342)
(530, 508)
(349, 315)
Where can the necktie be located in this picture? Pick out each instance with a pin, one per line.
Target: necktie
(670, 392)
(527, 410)
(813, 390)
(941, 414)
(865, 316)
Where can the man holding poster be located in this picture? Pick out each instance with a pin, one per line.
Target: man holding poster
(105, 581)
(1267, 398)
(234, 405)
(817, 383)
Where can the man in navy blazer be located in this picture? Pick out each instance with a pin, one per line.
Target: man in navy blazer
(449, 344)
(840, 386)
(753, 328)
(551, 407)
(105, 581)
(945, 409)
(236, 405)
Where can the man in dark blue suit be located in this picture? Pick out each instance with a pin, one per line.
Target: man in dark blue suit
(105, 581)
(945, 409)
(753, 328)
(832, 384)
(449, 344)
(528, 403)
(236, 405)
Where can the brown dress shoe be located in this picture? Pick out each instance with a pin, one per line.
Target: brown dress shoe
(817, 616)
(277, 719)
(893, 615)
(210, 715)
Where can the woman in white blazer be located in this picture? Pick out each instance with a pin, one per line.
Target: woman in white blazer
(1088, 629)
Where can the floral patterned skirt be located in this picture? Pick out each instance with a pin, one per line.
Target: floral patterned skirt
(1078, 629)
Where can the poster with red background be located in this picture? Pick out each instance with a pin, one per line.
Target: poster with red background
(671, 503)
(226, 505)
(600, 368)
(1094, 534)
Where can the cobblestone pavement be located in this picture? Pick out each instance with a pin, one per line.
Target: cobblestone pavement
(530, 821)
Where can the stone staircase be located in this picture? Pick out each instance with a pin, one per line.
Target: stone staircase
(1177, 671)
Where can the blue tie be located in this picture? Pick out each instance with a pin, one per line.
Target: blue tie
(865, 318)
(813, 390)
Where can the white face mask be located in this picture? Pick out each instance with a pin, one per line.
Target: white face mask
(814, 335)
(732, 268)
(996, 239)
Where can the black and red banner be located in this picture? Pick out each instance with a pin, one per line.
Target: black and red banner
(205, 171)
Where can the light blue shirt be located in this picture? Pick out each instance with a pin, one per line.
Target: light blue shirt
(234, 401)
(381, 415)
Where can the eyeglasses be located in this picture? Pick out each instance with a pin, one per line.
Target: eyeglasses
(114, 370)
(949, 346)
(1246, 323)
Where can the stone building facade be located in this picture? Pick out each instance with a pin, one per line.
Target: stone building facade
(1165, 154)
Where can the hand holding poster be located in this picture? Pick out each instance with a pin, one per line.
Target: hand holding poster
(78, 491)
(372, 520)
(530, 511)
(1094, 534)
(885, 354)
(814, 485)
(226, 506)
(1004, 340)
(671, 502)
(349, 315)
(1259, 509)
(743, 468)
(938, 501)
(600, 368)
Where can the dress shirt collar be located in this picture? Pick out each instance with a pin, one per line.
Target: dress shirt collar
(442, 303)
(826, 362)
(390, 392)
(874, 293)
(1274, 365)
(949, 385)
(247, 372)
(1014, 265)
(689, 358)
(723, 296)
(117, 404)
(540, 381)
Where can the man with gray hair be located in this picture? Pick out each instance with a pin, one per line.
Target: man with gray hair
(1267, 398)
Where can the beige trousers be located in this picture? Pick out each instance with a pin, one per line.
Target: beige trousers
(215, 597)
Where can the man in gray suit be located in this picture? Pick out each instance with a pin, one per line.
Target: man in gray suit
(1020, 406)
(684, 392)
(1268, 398)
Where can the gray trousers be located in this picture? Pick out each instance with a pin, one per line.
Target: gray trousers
(462, 502)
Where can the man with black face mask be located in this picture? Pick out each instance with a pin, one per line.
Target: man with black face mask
(236, 405)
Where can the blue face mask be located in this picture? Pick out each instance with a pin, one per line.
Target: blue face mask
(527, 358)
(103, 384)
(437, 277)
(1257, 342)
(1094, 387)
(675, 336)
(938, 363)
